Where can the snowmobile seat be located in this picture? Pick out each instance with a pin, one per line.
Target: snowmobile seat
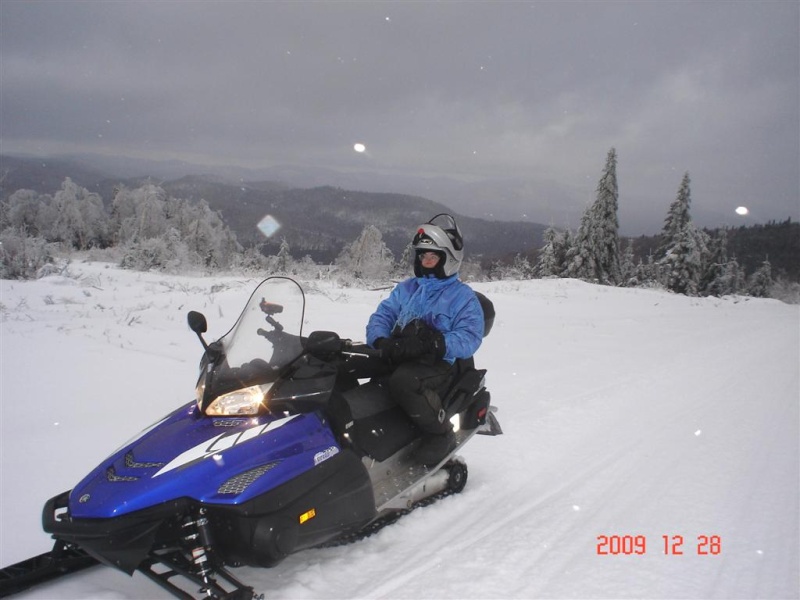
(488, 313)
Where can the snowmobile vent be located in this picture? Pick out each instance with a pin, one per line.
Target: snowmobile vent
(111, 475)
(238, 484)
(132, 463)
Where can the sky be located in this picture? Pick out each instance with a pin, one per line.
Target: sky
(488, 103)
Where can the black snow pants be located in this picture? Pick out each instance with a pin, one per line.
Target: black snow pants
(419, 389)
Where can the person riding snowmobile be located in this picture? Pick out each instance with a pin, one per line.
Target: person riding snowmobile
(426, 323)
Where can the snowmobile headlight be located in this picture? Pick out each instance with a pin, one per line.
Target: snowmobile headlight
(249, 401)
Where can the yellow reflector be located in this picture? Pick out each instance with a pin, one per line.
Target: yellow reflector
(307, 516)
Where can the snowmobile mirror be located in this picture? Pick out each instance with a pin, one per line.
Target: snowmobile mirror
(323, 342)
(197, 322)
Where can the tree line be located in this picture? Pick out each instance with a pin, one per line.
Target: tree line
(686, 260)
(146, 228)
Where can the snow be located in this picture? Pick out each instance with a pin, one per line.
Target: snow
(626, 412)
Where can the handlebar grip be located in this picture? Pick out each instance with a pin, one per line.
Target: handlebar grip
(362, 349)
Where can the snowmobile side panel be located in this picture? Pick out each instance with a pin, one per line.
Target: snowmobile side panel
(375, 424)
(313, 508)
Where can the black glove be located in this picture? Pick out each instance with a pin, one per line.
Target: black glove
(432, 339)
(398, 350)
(435, 345)
(427, 344)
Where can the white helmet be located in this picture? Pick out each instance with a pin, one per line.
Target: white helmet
(443, 237)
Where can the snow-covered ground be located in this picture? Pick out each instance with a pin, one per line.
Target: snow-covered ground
(626, 413)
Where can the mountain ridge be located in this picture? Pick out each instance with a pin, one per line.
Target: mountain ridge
(317, 221)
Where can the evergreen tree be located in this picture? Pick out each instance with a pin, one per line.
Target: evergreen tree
(628, 268)
(552, 255)
(677, 216)
(732, 279)
(594, 255)
(684, 247)
(761, 281)
(284, 257)
(714, 281)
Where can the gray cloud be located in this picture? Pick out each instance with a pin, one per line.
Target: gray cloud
(527, 92)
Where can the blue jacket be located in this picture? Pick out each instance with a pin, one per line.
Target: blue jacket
(448, 305)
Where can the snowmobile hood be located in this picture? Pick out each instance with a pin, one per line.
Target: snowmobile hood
(216, 461)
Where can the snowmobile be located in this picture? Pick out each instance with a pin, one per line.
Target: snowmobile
(285, 447)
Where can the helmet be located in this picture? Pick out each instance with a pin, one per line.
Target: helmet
(441, 235)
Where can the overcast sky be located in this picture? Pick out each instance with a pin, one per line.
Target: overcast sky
(534, 91)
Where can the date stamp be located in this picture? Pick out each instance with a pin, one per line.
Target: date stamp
(670, 545)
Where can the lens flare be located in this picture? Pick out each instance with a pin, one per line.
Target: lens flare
(268, 226)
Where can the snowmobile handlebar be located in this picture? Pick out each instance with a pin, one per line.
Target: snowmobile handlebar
(329, 342)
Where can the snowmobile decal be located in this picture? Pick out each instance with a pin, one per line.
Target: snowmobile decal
(221, 443)
(325, 455)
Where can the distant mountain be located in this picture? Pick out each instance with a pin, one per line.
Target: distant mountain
(516, 199)
(318, 221)
(45, 175)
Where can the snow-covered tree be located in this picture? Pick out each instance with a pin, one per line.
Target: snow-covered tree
(678, 217)
(684, 246)
(194, 234)
(519, 269)
(628, 268)
(761, 281)
(594, 255)
(715, 281)
(22, 255)
(139, 213)
(552, 256)
(21, 211)
(208, 237)
(75, 217)
(368, 257)
(731, 280)
(283, 260)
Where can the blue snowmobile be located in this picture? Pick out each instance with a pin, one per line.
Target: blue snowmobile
(284, 448)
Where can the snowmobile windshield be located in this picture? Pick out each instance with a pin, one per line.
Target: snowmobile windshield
(265, 338)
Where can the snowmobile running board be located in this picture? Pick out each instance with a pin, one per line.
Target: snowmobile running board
(62, 560)
(405, 482)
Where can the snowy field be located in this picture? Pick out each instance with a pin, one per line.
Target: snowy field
(631, 417)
